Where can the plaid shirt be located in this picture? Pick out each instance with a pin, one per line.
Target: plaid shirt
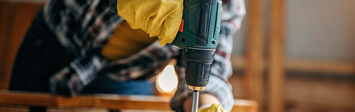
(83, 27)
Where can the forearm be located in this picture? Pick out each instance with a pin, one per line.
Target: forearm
(70, 80)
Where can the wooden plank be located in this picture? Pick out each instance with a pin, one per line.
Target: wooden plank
(99, 101)
(321, 65)
(276, 71)
(12, 109)
(253, 79)
(245, 106)
(339, 67)
(102, 101)
(4, 23)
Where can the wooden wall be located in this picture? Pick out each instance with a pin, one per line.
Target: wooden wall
(15, 18)
(265, 67)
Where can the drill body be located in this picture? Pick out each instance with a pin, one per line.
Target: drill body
(198, 38)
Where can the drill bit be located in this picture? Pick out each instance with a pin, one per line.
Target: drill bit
(195, 98)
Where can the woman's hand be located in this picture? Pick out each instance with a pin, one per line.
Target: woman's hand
(160, 18)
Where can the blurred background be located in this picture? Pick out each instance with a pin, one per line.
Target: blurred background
(289, 55)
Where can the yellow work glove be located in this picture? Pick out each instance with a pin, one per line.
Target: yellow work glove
(213, 108)
(159, 18)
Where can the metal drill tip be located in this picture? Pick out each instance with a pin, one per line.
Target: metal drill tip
(195, 98)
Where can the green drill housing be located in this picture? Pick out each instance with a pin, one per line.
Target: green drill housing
(199, 38)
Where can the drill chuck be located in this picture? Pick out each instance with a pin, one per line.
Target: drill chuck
(198, 66)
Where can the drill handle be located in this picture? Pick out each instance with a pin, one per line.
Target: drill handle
(201, 24)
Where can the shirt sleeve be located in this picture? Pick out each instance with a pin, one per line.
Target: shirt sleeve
(147, 63)
(232, 15)
(83, 28)
(70, 80)
(142, 65)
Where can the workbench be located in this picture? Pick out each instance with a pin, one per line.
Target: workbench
(13, 100)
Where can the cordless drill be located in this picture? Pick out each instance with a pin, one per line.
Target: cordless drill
(198, 38)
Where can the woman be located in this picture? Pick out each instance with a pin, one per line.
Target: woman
(75, 47)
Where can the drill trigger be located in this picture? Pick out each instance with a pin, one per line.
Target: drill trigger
(181, 29)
